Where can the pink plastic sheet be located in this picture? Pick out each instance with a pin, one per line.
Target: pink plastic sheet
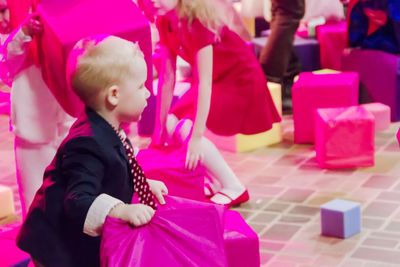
(182, 233)
(168, 165)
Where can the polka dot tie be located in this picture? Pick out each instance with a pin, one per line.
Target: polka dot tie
(140, 184)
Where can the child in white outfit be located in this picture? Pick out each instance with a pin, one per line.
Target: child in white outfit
(38, 121)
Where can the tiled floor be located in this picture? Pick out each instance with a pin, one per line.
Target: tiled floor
(287, 188)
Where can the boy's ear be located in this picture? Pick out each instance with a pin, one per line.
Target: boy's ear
(113, 95)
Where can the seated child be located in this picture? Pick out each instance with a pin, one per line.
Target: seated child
(94, 173)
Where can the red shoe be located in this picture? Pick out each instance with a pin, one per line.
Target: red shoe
(244, 197)
(210, 189)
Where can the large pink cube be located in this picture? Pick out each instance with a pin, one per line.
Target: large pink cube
(241, 242)
(66, 22)
(313, 91)
(344, 137)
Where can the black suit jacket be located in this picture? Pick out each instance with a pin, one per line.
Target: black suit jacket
(89, 162)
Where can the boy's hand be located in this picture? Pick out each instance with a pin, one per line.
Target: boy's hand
(159, 189)
(32, 25)
(135, 214)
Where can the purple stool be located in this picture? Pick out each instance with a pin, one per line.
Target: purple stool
(379, 76)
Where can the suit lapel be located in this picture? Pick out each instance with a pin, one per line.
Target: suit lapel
(106, 133)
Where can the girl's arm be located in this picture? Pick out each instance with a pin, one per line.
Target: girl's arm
(15, 49)
(14, 54)
(166, 69)
(203, 75)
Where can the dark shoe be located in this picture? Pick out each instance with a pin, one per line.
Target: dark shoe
(287, 105)
(287, 96)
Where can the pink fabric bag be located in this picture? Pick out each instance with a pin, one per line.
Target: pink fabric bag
(182, 233)
(168, 165)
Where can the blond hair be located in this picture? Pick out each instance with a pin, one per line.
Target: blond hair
(202, 10)
(95, 64)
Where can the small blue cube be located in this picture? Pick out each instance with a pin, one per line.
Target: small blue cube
(340, 218)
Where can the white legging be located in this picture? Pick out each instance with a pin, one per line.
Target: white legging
(39, 125)
(31, 161)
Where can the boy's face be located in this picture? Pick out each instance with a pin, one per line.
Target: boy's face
(133, 94)
(5, 26)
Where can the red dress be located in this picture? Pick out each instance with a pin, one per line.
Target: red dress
(240, 101)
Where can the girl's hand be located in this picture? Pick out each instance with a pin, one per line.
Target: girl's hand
(159, 189)
(32, 25)
(194, 153)
(135, 214)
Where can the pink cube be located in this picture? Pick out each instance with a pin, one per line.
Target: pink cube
(381, 114)
(313, 91)
(66, 22)
(332, 38)
(241, 242)
(168, 165)
(344, 137)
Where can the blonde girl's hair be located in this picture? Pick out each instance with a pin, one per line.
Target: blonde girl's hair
(204, 11)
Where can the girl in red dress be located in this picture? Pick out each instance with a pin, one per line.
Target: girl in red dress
(229, 93)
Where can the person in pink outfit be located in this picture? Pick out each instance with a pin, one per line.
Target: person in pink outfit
(229, 93)
(38, 121)
(4, 31)
(4, 17)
